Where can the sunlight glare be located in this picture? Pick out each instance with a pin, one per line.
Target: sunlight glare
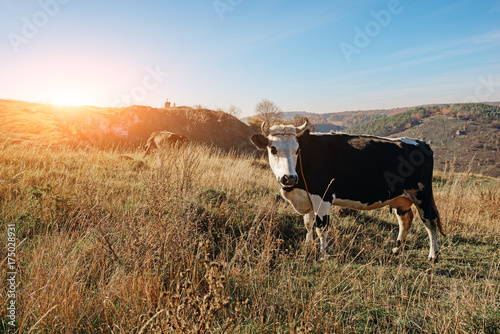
(68, 97)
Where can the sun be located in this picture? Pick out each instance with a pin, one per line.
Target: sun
(68, 97)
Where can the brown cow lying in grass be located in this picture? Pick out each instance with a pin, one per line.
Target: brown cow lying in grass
(160, 139)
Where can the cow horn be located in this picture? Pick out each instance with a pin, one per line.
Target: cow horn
(264, 128)
(303, 127)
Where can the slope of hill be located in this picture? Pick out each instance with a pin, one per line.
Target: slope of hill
(347, 119)
(129, 126)
(466, 144)
(342, 120)
(320, 121)
(467, 134)
(479, 112)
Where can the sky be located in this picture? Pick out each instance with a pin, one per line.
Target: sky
(315, 56)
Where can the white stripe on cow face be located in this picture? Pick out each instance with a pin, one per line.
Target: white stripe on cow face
(283, 153)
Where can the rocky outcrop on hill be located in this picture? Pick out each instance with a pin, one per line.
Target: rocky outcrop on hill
(134, 125)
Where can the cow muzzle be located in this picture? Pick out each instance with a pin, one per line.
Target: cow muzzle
(288, 180)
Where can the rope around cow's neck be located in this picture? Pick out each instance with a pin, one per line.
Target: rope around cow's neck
(307, 190)
(305, 183)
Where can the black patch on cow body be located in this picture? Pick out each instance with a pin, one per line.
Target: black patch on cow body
(401, 212)
(322, 222)
(359, 166)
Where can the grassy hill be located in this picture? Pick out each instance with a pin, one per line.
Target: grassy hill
(345, 119)
(130, 126)
(460, 144)
(466, 135)
(483, 113)
(198, 240)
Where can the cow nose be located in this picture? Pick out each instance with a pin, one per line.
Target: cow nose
(288, 180)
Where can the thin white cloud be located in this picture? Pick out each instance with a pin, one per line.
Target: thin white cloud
(491, 37)
(468, 44)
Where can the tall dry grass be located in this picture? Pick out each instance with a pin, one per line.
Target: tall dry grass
(196, 240)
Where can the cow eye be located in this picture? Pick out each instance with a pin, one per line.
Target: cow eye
(273, 150)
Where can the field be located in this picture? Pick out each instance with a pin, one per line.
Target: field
(196, 240)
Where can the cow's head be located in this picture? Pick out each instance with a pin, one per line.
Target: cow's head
(282, 143)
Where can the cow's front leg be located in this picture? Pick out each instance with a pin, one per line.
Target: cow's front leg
(309, 224)
(322, 225)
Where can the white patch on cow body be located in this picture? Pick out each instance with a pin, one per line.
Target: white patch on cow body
(406, 140)
(321, 208)
(299, 200)
(357, 205)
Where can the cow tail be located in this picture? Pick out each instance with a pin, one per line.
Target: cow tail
(438, 220)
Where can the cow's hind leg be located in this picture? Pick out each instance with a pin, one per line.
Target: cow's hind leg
(405, 219)
(430, 217)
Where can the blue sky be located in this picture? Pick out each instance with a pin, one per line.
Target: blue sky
(316, 56)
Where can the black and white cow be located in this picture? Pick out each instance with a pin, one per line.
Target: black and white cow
(354, 171)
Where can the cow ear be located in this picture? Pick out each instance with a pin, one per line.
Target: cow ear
(260, 141)
(303, 137)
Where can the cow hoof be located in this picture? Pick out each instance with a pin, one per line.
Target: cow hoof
(399, 248)
(434, 259)
(324, 257)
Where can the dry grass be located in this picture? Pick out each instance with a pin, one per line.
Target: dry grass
(195, 240)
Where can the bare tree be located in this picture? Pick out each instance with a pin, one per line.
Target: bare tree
(234, 111)
(268, 111)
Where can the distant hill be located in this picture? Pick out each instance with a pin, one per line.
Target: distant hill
(345, 119)
(486, 114)
(128, 126)
(354, 120)
(464, 143)
(465, 133)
